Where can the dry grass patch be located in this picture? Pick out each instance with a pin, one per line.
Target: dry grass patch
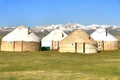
(54, 75)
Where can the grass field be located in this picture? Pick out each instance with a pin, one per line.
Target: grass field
(53, 65)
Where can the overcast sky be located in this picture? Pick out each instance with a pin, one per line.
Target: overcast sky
(47, 12)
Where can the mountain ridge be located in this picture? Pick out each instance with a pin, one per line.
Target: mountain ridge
(44, 30)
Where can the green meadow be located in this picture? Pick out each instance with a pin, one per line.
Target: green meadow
(52, 65)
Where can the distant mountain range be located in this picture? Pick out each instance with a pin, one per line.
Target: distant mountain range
(44, 30)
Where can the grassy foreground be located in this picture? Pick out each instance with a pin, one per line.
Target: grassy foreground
(53, 65)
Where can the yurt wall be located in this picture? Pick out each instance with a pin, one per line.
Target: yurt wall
(20, 46)
(107, 45)
(6, 46)
(67, 47)
(31, 46)
(90, 48)
(46, 45)
(111, 45)
(50, 45)
(77, 47)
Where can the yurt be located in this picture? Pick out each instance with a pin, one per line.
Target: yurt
(20, 39)
(51, 41)
(78, 42)
(105, 40)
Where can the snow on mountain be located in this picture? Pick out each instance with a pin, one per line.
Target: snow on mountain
(65, 27)
(5, 30)
(95, 26)
(71, 27)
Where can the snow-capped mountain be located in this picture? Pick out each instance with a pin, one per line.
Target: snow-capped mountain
(66, 28)
(71, 27)
(5, 30)
(95, 26)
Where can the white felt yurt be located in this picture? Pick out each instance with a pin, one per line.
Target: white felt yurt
(20, 39)
(51, 41)
(105, 40)
(78, 42)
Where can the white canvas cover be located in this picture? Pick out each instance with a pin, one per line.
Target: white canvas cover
(33, 37)
(55, 35)
(101, 35)
(21, 34)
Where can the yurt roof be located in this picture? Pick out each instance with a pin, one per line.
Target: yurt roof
(55, 35)
(21, 34)
(101, 35)
(79, 36)
(33, 37)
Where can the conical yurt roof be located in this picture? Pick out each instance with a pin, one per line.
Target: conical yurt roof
(21, 33)
(55, 35)
(101, 35)
(33, 37)
(79, 36)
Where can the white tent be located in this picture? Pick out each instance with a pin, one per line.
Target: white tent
(21, 37)
(102, 35)
(21, 34)
(105, 40)
(51, 41)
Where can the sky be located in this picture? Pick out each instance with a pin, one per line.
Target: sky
(47, 12)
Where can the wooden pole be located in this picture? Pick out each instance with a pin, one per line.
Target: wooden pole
(103, 45)
(83, 47)
(13, 45)
(22, 46)
(52, 45)
(75, 47)
(58, 44)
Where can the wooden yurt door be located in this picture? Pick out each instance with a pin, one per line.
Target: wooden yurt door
(101, 45)
(55, 45)
(79, 48)
(18, 46)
